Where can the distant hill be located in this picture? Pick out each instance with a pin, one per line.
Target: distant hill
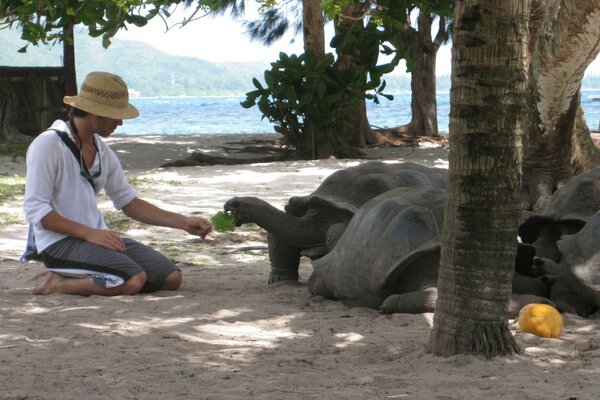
(146, 70)
(151, 72)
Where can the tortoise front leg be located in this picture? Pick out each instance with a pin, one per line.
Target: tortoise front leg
(418, 302)
(285, 260)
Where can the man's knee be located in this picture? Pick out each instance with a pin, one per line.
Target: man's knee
(134, 284)
(173, 281)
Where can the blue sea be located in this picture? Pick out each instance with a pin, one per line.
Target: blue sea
(225, 115)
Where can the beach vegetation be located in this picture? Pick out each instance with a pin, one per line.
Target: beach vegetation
(171, 249)
(145, 182)
(317, 100)
(301, 88)
(12, 189)
(13, 149)
(119, 222)
(7, 218)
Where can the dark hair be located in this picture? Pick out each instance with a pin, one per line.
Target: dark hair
(76, 112)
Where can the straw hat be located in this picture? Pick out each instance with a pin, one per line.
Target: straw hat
(105, 95)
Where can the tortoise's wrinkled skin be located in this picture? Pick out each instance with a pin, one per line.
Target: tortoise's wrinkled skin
(388, 257)
(311, 224)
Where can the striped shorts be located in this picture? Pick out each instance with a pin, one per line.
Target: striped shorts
(108, 268)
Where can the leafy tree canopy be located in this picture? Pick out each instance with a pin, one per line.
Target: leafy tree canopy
(43, 21)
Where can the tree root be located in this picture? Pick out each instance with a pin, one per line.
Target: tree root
(492, 338)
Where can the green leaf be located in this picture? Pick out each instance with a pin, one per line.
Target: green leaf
(257, 84)
(152, 13)
(382, 87)
(105, 41)
(290, 95)
(321, 89)
(387, 50)
(385, 68)
(223, 222)
(136, 20)
(269, 80)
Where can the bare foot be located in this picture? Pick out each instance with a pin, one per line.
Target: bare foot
(50, 285)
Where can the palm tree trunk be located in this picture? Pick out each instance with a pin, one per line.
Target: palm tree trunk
(489, 81)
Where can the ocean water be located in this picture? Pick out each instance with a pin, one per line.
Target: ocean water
(225, 115)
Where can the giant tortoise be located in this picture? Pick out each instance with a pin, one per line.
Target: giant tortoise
(304, 227)
(388, 257)
(575, 278)
(567, 212)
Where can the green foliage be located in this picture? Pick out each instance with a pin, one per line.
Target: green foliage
(223, 222)
(310, 88)
(12, 188)
(13, 149)
(301, 86)
(47, 21)
(7, 219)
(117, 221)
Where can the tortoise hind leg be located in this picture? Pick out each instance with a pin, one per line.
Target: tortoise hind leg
(411, 303)
(285, 260)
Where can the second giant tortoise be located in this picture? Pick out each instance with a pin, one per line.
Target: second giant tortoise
(568, 211)
(388, 257)
(575, 278)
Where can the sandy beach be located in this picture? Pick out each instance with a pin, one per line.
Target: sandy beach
(226, 334)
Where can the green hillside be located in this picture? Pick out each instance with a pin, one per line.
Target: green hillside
(147, 70)
(151, 72)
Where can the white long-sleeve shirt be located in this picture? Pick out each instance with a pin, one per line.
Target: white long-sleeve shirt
(54, 183)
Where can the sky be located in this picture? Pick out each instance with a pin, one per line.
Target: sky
(221, 39)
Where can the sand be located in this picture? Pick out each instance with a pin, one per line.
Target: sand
(226, 334)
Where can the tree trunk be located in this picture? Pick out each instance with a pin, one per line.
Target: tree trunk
(314, 44)
(7, 131)
(353, 133)
(489, 81)
(344, 140)
(584, 154)
(423, 51)
(69, 62)
(564, 40)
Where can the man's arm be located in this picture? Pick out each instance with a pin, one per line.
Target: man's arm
(145, 212)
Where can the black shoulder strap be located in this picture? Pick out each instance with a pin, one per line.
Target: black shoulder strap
(71, 145)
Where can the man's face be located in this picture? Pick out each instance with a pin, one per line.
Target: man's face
(105, 126)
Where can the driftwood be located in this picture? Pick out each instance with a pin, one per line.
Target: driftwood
(395, 138)
(264, 151)
(250, 155)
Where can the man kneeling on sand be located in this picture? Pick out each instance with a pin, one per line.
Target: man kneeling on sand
(67, 166)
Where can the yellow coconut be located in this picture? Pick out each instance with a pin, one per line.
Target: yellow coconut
(541, 320)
